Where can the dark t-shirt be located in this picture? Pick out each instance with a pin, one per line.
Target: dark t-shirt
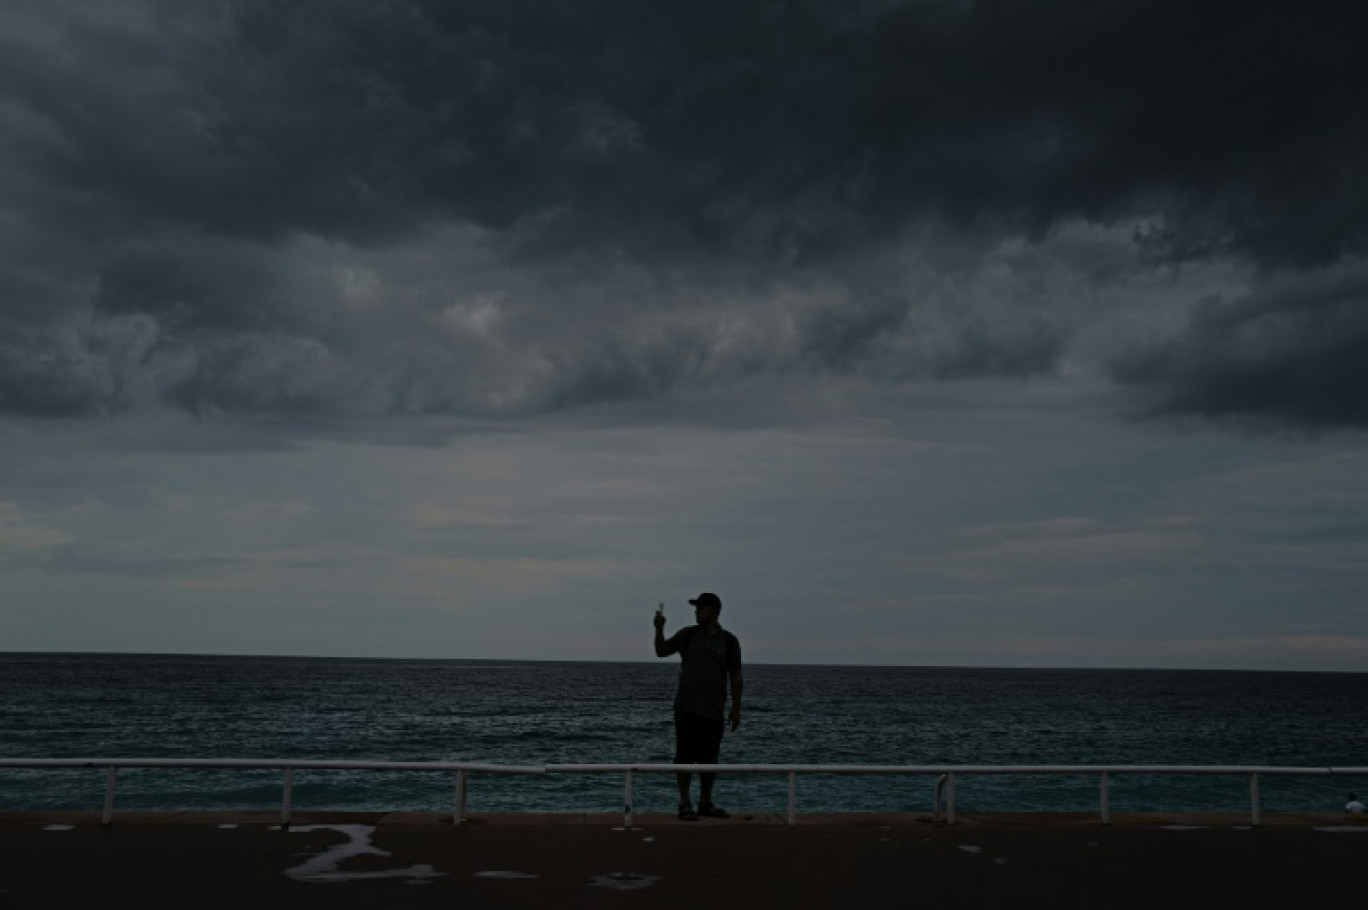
(706, 660)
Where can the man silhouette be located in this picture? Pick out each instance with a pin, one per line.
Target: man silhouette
(710, 659)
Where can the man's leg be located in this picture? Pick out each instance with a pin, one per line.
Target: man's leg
(712, 755)
(684, 736)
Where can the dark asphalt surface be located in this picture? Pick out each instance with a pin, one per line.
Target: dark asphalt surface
(717, 864)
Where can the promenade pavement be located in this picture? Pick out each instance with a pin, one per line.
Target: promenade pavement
(374, 861)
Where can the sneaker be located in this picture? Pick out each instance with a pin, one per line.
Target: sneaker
(687, 813)
(712, 811)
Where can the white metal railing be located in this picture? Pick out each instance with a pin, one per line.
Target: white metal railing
(286, 765)
(944, 789)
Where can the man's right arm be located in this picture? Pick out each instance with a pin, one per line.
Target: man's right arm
(662, 647)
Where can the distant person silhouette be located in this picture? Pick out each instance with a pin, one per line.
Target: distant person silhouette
(1353, 805)
(710, 658)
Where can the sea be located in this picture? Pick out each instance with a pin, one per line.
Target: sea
(521, 713)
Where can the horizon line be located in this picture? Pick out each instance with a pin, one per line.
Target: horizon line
(547, 660)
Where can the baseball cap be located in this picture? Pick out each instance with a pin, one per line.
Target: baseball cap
(707, 599)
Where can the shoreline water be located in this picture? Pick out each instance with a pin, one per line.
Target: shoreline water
(555, 713)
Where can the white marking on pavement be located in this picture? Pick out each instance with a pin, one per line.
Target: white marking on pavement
(624, 881)
(324, 867)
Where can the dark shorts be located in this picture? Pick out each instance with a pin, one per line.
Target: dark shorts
(698, 740)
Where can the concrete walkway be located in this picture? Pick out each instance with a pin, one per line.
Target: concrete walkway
(345, 860)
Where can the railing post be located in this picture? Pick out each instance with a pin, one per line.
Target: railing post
(107, 816)
(936, 797)
(950, 799)
(285, 804)
(1254, 798)
(458, 815)
(792, 798)
(627, 800)
(1106, 809)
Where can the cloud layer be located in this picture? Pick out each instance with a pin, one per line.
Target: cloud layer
(502, 209)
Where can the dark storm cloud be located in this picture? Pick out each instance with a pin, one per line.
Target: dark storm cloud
(164, 160)
(1294, 354)
(796, 127)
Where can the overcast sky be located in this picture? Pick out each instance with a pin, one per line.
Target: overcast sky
(947, 332)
